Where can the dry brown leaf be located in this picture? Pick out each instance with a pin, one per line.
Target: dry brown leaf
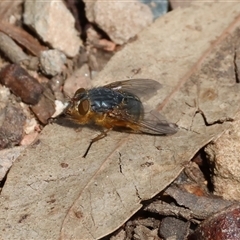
(7, 157)
(52, 192)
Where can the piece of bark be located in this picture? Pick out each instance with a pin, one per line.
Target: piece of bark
(201, 206)
(8, 8)
(144, 233)
(22, 37)
(11, 50)
(44, 109)
(21, 83)
(165, 209)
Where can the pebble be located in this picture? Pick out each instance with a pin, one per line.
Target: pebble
(54, 23)
(120, 20)
(52, 62)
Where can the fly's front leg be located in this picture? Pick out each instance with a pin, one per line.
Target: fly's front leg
(100, 136)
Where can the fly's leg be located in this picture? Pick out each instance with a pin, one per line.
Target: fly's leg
(100, 136)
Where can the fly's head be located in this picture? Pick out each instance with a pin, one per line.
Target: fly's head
(79, 105)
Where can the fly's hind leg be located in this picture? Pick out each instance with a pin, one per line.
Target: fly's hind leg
(100, 136)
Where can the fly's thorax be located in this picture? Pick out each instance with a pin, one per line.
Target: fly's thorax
(103, 99)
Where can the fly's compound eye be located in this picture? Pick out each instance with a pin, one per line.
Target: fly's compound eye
(79, 94)
(83, 107)
(80, 90)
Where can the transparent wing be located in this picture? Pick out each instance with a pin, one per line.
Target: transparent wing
(154, 123)
(143, 88)
(151, 123)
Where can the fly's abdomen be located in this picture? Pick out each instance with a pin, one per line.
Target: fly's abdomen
(133, 106)
(103, 99)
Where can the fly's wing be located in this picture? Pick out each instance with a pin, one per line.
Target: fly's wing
(142, 88)
(154, 123)
(151, 123)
